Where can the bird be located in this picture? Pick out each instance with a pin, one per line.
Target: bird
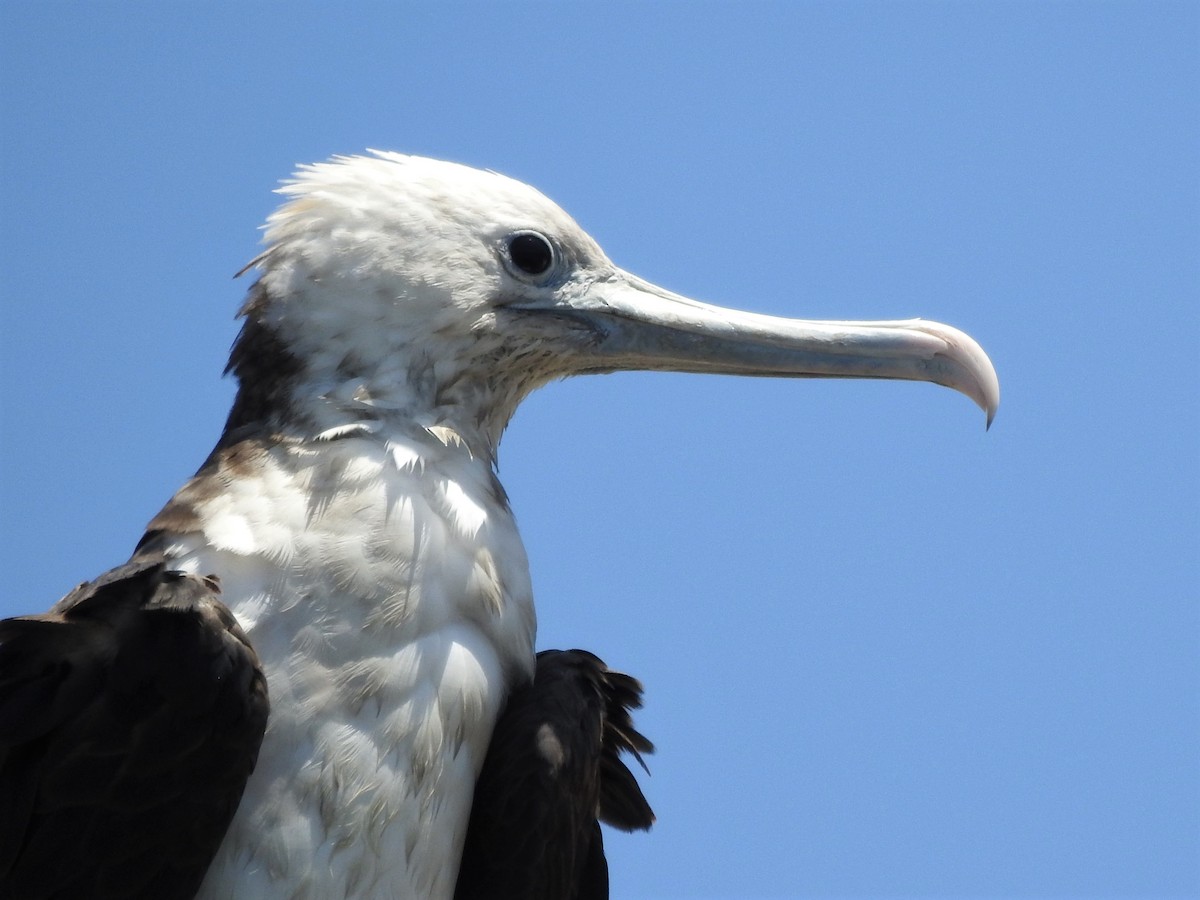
(316, 675)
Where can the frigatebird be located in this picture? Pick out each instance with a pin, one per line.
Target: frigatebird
(347, 551)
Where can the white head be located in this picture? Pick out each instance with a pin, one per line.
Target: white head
(401, 286)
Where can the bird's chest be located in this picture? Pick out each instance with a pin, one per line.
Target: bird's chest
(386, 592)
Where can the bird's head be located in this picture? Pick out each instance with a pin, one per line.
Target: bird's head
(401, 286)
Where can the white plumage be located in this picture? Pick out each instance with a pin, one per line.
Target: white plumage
(390, 611)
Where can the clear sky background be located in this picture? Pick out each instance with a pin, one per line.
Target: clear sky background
(885, 653)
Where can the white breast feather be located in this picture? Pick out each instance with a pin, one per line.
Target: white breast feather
(377, 597)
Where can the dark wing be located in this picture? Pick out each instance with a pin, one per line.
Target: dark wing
(553, 772)
(130, 718)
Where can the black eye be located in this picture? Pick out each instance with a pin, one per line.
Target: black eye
(530, 253)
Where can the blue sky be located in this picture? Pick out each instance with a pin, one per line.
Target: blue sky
(886, 653)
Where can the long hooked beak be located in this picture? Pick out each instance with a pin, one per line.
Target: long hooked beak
(637, 325)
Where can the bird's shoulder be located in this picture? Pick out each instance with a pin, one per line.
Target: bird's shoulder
(553, 772)
(130, 718)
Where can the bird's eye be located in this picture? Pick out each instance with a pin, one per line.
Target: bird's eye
(531, 253)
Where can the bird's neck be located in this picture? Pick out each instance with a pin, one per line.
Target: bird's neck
(302, 376)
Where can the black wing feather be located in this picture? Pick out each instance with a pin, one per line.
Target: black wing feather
(130, 718)
(553, 772)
